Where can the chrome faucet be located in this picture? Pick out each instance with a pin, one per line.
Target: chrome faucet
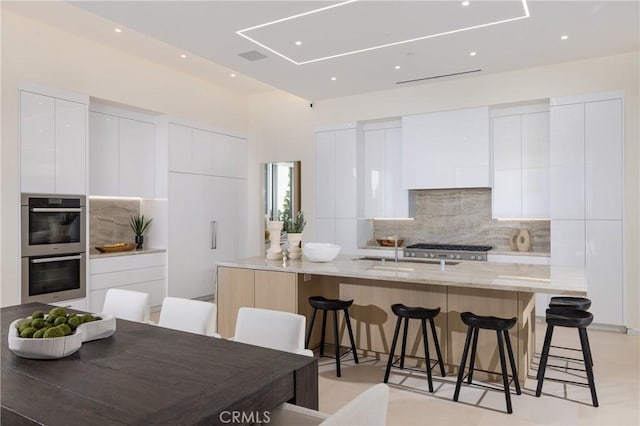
(395, 246)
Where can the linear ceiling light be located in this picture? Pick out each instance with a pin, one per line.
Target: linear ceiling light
(243, 32)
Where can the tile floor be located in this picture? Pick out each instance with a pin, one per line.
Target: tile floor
(617, 374)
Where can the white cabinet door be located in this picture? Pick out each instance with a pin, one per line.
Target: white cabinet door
(346, 178)
(396, 197)
(535, 165)
(189, 239)
(604, 271)
(222, 155)
(103, 155)
(71, 147)
(374, 173)
(222, 195)
(507, 164)
(180, 148)
(567, 162)
(446, 149)
(37, 136)
(325, 231)
(325, 175)
(239, 157)
(347, 235)
(603, 160)
(568, 243)
(137, 156)
(201, 152)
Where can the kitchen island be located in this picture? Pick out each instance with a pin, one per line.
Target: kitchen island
(484, 288)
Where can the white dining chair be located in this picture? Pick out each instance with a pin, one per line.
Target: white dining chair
(192, 316)
(127, 304)
(367, 409)
(278, 330)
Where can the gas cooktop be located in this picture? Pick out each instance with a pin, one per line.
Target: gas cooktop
(447, 251)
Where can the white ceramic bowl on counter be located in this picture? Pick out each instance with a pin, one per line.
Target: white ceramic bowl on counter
(320, 252)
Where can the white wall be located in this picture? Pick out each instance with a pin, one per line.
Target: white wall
(36, 52)
(270, 115)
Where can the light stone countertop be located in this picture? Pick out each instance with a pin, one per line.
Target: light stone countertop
(471, 274)
(95, 254)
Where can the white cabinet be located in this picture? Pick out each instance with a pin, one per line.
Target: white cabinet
(122, 156)
(53, 138)
(446, 149)
(587, 185)
(603, 160)
(336, 188)
(207, 207)
(140, 272)
(384, 195)
(566, 153)
(521, 166)
(604, 270)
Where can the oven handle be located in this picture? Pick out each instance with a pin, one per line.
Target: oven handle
(56, 259)
(56, 210)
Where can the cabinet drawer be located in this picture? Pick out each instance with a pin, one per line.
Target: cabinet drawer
(123, 263)
(154, 288)
(147, 260)
(120, 278)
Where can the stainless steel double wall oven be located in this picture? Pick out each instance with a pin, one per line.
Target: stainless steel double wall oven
(53, 247)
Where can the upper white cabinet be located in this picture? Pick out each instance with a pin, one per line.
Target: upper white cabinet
(521, 164)
(603, 160)
(384, 195)
(446, 149)
(53, 137)
(336, 187)
(122, 156)
(193, 150)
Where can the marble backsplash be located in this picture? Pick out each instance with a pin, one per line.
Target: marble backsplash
(460, 216)
(109, 221)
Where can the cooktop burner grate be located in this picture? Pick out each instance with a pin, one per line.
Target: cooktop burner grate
(452, 247)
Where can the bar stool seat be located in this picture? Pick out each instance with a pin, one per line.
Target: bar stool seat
(334, 305)
(581, 303)
(572, 318)
(501, 326)
(320, 302)
(422, 314)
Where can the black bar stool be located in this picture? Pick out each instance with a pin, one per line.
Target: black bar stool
(574, 318)
(423, 314)
(335, 305)
(502, 327)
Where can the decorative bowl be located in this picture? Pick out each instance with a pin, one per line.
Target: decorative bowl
(320, 252)
(389, 243)
(60, 347)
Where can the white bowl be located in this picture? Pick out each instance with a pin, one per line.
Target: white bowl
(320, 252)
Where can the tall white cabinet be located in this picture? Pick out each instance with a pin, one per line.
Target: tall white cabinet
(586, 203)
(207, 207)
(520, 139)
(336, 188)
(53, 142)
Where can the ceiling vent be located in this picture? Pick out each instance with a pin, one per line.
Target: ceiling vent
(252, 55)
(437, 76)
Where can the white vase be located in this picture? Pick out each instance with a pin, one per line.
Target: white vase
(274, 227)
(295, 252)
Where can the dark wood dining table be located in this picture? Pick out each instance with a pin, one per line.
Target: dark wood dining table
(148, 375)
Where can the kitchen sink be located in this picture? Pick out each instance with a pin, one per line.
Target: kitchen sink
(384, 259)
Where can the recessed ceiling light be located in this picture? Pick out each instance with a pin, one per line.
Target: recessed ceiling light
(183, 56)
(465, 3)
(233, 75)
(118, 30)
(333, 79)
(472, 54)
(298, 43)
(397, 67)
(564, 37)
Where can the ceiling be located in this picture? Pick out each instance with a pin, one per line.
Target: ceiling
(351, 47)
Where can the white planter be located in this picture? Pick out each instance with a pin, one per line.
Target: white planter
(295, 252)
(275, 252)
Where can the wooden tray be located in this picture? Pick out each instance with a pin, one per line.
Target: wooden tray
(115, 249)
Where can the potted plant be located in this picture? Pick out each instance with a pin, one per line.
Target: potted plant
(293, 228)
(139, 225)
